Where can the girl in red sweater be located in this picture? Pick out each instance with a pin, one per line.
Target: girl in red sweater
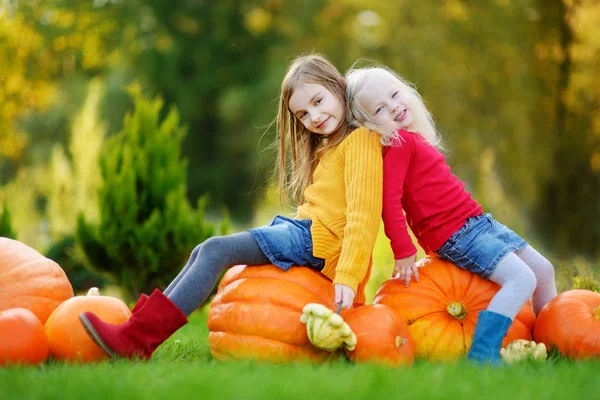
(420, 191)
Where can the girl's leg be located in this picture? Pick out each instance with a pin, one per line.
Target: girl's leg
(142, 300)
(162, 315)
(183, 271)
(517, 283)
(544, 274)
(215, 254)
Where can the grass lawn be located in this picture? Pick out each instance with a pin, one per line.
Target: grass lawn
(184, 368)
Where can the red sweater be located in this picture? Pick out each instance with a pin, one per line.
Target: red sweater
(417, 181)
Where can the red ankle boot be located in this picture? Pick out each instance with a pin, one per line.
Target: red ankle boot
(141, 301)
(142, 334)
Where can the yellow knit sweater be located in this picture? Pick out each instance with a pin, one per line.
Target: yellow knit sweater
(344, 203)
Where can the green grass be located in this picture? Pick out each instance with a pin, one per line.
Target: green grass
(183, 367)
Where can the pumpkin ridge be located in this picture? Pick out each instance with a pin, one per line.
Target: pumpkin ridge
(287, 306)
(231, 288)
(590, 332)
(32, 297)
(435, 346)
(19, 269)
(40, 282)
(232, 303)
(478, 300)
(219, 321)
(410, 322)
(307, 348)
(441, 290)
(442, 302)
(308, 288)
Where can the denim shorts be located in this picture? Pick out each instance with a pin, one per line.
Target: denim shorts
(288, 242)
(480, 245)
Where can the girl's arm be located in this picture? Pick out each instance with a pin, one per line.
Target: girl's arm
(364, 186)
(395, 167)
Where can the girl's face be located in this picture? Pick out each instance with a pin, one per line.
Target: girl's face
(319, 110)
(388, 102)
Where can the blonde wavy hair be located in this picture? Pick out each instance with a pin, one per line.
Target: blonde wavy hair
(358, 78)
(299, 150)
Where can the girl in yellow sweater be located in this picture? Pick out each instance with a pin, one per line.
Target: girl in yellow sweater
(334, 176)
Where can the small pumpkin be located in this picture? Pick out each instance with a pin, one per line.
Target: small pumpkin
(325, 329)
(67, 339)
(441, 309)
(570, 323)
(22, 338)
(381, 336)
(256, 314)
(521, 349)
(30, 280)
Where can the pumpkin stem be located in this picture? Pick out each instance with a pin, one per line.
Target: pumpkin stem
(93, 292)
(457, 310)
(400, 341)
(597, 313)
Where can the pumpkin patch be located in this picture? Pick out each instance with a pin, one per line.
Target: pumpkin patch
(441, 309)
(22, 338)
(31, 281)
(67, 339)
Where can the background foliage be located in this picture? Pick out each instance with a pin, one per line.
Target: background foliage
(512, 84)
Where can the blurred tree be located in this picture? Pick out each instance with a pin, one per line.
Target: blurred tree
(568, 58)
(74, 177)
(72, 188)
(27, 74)
(147, 228)
(209, 59)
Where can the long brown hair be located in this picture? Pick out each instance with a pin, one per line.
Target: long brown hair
(299, 150)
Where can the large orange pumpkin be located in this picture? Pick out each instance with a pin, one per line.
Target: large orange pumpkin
(442, 308)
(570, 323)
(67, 339)
(256, 314)
(22, 338)
(382, 336)
(30, 280)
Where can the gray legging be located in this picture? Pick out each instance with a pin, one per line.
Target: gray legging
(522, 275)
(197, 279)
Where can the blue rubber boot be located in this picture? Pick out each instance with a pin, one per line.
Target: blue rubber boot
(489, 333)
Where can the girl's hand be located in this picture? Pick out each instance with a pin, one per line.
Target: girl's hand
(344, 295)
(404, 268)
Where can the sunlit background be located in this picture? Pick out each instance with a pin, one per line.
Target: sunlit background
(513, 85)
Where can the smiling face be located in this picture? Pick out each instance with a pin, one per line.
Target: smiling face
(319, 110)
(388, 102)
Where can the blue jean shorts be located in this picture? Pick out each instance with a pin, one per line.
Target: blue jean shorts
(480, 244)
(288, 242)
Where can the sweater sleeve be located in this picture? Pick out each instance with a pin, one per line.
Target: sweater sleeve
(395, 167)
(363, 177)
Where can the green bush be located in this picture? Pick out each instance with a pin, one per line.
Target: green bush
(147, 228)
(65, 254)
(6, 229)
